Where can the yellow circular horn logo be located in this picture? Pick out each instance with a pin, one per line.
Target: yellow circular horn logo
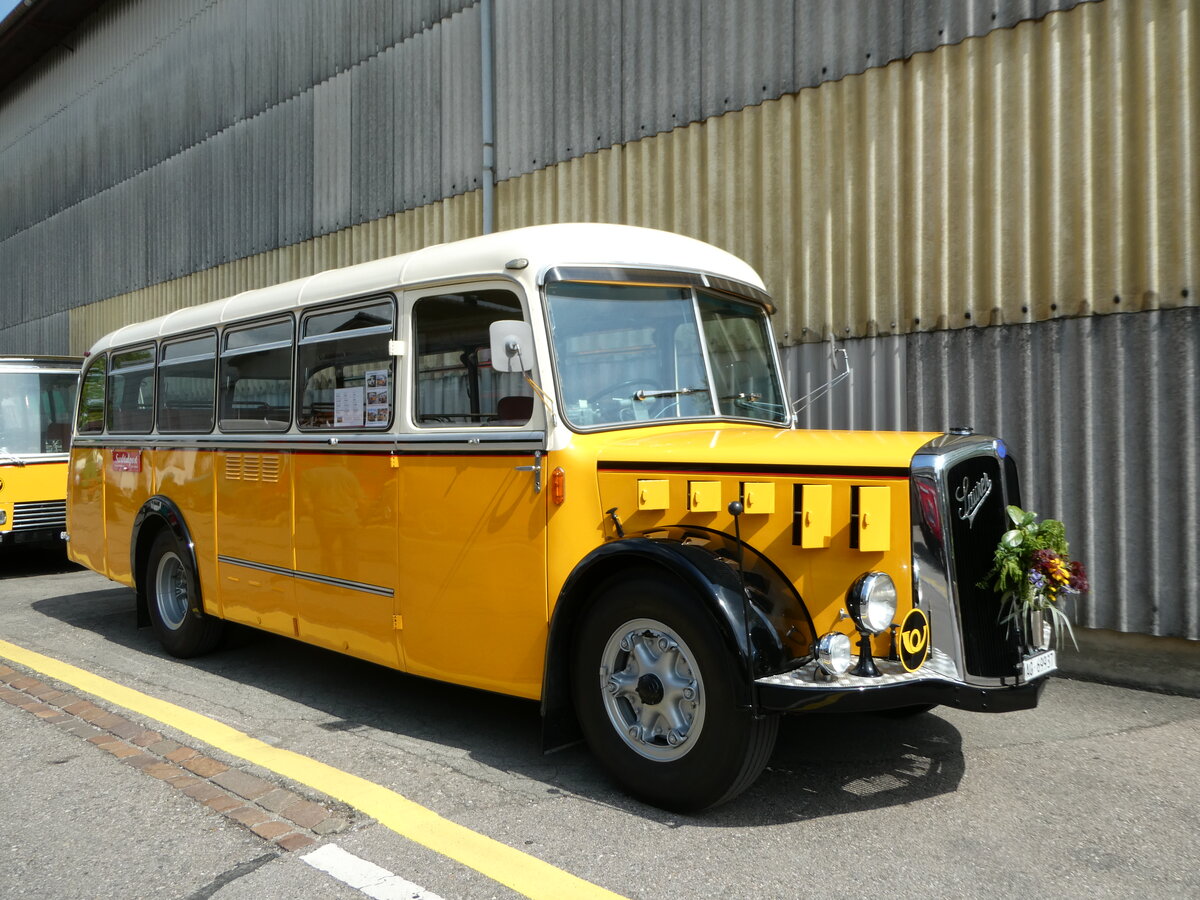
(914, 640)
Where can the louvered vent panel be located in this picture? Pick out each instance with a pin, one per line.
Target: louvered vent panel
(270, 468)
(251, 467)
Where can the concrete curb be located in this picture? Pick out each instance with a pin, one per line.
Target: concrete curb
(1164, 665)
(275, 814)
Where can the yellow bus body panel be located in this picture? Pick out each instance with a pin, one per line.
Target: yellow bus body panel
(33, 482)
(472, 581)
(86, 523)
(448, 564)
(186, 476)
(125, 492)
(254, 538)
(345, 525)
(737, 456)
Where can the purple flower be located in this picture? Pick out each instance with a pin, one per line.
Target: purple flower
(1079, 579)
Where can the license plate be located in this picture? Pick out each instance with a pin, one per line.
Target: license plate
(1036, 666)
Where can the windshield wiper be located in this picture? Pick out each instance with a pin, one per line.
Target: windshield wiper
(11, 456)
(650, 395)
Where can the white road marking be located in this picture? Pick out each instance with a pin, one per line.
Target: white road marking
(374, 881)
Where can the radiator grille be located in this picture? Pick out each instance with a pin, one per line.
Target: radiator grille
(32, 516)
(991, 647)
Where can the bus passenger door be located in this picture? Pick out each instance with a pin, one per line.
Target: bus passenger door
(473, 568)
(472, 530)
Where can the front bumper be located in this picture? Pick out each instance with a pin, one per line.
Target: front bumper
(51, 535)
(803, 690)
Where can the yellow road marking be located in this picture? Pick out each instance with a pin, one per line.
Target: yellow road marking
(525, 874)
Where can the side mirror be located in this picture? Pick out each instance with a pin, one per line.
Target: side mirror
(512, 345)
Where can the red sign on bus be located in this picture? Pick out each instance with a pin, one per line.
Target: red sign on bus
(127, 460)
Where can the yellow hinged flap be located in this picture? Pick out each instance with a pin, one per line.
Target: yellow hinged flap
(816, 515)
(704, 496)
(874, 518)
(653, 493)
(758, 497)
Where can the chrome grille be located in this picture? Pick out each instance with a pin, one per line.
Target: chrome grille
(961, 486)
(41, 514)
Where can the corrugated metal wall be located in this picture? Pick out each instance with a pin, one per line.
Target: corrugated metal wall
(291, 119)
(1104, 412)
(902, 173)
(1042, 171)
(50, 334)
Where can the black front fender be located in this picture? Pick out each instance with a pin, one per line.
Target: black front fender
(764, 634)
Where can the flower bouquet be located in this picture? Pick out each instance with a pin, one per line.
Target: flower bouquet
(1032, 572)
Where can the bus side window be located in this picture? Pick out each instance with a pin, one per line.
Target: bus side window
(90, 417)
(456, 385)
(187, 377)
(256, 377)
(131, 391)
(346, 375)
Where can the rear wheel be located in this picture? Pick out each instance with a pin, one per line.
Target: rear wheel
(173, 596)
(655, 692)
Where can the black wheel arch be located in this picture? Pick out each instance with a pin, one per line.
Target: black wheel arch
(157, 514)
(713, 564)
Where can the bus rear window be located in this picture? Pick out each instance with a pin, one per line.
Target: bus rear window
(90, 418)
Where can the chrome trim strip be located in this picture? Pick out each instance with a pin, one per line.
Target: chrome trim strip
(890, 673)
(345, 443)
(309, 576)
(33, 459)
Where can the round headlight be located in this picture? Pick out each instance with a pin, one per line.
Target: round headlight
(872, 602)
(833, 653)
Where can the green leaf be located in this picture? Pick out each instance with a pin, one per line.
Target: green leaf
(1012, 539)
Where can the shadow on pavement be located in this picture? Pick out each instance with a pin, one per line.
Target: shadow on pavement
(822, 765)
(26, 560)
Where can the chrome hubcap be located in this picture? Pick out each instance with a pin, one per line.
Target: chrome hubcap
(170, 590)
(653, 696)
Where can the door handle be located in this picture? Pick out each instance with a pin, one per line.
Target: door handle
(536, 469)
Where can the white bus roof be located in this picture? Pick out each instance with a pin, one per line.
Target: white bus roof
(543, 246)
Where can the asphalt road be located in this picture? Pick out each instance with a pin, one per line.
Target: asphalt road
(1094, 794)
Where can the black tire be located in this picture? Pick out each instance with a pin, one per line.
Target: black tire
(717, 750)
(173, 597)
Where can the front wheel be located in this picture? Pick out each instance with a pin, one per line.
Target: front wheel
(173, 596)
(655, 691)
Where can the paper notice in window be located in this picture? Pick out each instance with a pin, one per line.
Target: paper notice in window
(378, 397)
(348, 407)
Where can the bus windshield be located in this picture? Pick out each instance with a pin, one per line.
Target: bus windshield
(644, 354)
(35, 411)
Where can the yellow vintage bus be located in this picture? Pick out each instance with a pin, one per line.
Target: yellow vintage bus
(37, 399)
(557, 463)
